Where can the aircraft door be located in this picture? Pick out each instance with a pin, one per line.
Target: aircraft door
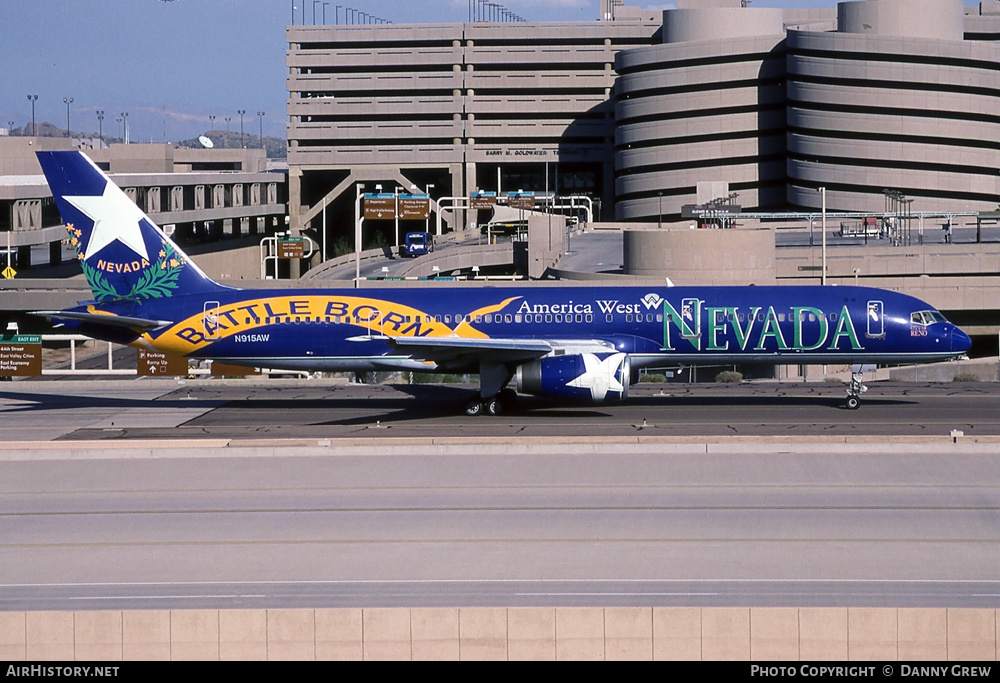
(210, 319)
(876, 319)
(690, 318)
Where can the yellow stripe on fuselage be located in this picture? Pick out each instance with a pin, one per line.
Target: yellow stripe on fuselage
(376, 316)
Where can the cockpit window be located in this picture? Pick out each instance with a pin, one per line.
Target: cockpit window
(927, 317)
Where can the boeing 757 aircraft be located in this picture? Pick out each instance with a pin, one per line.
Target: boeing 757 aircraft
(572, 342)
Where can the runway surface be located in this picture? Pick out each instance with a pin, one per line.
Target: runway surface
(143, 495)
(166, 409)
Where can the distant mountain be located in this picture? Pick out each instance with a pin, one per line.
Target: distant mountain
(276, 148)
(47, 130)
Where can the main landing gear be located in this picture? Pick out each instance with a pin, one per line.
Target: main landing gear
(494, 406)
(853, 394)
(493, 398)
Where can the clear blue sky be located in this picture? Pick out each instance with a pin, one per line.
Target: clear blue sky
(172, 64)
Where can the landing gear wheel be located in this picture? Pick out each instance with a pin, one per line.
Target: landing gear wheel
(853, 402)
(474, 408)
(493, 406)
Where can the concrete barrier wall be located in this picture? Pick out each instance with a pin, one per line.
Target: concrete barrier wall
(572, 633)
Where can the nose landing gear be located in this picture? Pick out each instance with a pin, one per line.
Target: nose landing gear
(854, 392)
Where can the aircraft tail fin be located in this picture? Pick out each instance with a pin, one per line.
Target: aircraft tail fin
(124, 254)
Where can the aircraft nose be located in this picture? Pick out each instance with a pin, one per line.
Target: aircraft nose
(960, 342)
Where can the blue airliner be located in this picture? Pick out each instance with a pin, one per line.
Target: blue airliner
(563, 341)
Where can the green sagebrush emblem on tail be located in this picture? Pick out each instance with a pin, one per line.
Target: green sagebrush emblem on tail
(157, 281)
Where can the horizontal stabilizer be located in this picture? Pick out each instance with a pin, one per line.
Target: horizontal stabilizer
(123, 321)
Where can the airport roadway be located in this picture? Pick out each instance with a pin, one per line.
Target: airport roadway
(290, 493)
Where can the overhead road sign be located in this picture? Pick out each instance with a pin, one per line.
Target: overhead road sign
(521, 200)
(291, 248)
(380, 206)
(414, 207)
(482, 200)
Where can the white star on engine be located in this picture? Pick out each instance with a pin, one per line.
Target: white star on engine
(115, 218)
(600, 376)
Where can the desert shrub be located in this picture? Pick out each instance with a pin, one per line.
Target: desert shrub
(729, 377)
(965, 377)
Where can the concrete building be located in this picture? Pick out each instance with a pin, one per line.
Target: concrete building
(896, 98)
(199, 194)
(883, 94)
(462, 107)
(638, 108)
(707, 104)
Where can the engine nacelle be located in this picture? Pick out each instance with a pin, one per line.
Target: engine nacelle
(594, 377)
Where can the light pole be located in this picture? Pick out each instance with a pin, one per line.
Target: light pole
(359, 191)
(659, 215)
(125, 127)
(33, 99)
(260, 128)
(395, 192)
(241, 112)
(100, 128)
(67, 101)
(427, 221)
(822, 191)
(121, 130)
(10, 128)
(211, 121)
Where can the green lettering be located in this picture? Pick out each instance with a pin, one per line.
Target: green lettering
(714, 327)
(845, 328)
(771, 329)
(743, 335)
(799, 313)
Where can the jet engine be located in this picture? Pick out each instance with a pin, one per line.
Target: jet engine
(595, 377)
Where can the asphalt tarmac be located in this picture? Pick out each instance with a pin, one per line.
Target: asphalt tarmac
(285, 408)
(292, 493)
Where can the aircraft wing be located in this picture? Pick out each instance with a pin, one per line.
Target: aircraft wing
(449, 350)
(461, 350)
(465, 350)
(122, 321)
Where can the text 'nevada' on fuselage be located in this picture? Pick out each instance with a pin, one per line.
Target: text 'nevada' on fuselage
(573, 342)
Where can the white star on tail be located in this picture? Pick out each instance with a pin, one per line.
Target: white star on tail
(600, 376)
(115, 218)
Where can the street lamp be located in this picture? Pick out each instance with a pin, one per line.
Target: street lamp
(241, 112)
(68, 101)
(358, 217)
(33, 99)
(125, 127)
(211, 121)
(823, 278)
(427, 221)
(260, 128)
(100, 128)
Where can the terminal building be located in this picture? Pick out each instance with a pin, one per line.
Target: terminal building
(638, 108)
(199, 195)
